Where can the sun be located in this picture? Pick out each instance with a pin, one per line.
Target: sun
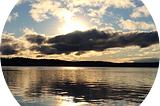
(70, 27)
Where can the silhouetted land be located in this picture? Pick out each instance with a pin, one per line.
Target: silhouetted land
(53, 62)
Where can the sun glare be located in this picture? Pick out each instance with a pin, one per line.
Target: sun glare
(71, 26)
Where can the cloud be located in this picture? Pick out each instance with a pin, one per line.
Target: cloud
(23, 1)
(47, 50)
(110, 51)
(40, 56)
(146, 60)
(92, 13)
(83, 3)
(15, 15)
(6, 38)
(120, 3)
(153, 53)
(120, 60)
(77, 9)
(40, 10)
(19, 2)
(96, 20)
(102, 4)
(8, 50)
(132, 25)
(9, 18)
(34, 38)
(97, 13)
(95, 3)
(94, 40)
(140, 12)
(107, 28)
(80, 53)
(77, 42)
(10, 45)
(11, 34)
(12, 17)
(29, 31)
(156, 48)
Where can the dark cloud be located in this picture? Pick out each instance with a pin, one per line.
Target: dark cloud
(10, 45)
(63, 48)
(8, 50)
(44, 49)
(78, 37)
(99, 40)
(54, 49)
(40, 56)
(80, 52)
(82, 42)
(33, 38)
(6, 38)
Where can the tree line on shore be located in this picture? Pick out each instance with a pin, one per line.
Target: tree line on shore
(18, 61)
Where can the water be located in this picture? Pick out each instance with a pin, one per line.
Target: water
(79, 86)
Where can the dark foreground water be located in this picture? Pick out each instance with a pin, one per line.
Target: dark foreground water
(79, 86)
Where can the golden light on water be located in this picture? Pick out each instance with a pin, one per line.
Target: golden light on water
(68, 101)
(71, 68)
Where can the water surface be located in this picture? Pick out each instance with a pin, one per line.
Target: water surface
(79, 86)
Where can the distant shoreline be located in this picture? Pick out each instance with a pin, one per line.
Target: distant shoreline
(53, 62)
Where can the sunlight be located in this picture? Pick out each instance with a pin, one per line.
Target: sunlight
(71, 68)
(71, 26)
(68, 101)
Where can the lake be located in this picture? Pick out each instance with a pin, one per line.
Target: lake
(79, 86)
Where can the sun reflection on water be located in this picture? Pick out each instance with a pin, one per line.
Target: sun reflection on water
(68, 101)
(71, 68)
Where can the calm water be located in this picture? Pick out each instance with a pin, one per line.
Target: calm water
(77, 86)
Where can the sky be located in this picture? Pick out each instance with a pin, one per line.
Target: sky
(81, 30)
